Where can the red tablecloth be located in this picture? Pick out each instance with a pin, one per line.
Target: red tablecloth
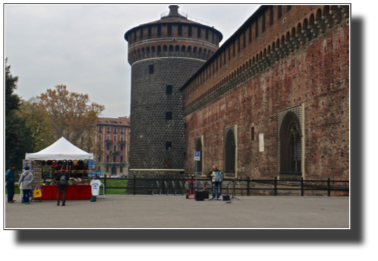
(50, 192)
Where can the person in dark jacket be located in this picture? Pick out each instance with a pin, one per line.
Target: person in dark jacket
(62, 179)
(9, 177)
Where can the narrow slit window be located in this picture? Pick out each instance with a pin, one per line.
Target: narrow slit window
(151, 68)
(168, 115)
(169, 89)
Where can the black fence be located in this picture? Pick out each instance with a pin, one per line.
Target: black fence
(236, 187)
(246, 187)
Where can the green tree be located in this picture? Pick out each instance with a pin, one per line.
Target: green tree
(16, 132)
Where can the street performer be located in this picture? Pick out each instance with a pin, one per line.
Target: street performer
(217, 181)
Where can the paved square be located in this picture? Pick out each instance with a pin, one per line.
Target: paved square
(145, 211)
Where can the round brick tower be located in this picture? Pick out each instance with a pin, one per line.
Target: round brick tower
(163, 55)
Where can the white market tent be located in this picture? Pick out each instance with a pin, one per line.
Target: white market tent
(62, 149)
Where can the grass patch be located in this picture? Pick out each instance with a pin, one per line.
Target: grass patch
(115, 183)
(16, 190)
(109, 183)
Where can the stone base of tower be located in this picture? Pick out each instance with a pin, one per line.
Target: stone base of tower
(156, 181)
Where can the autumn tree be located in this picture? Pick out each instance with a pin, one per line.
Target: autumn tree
(72, 116)
(37, 120)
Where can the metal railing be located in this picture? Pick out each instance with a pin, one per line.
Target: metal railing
(235, 187)
(177, 186)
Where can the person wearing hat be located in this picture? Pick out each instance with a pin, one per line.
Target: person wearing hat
(26, 181)
(9, 177)
(62, 179)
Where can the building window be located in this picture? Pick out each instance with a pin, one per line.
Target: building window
(151, 68)
(159, 30)
(114, 138)
(114, 147)
(179, 33)
(199, 32)
(100, 129)
(115, 130)
(257, 28)
(168, 115)
(244, 41)
(198, 147)
(121, 158)
(290, 141)
(229, 151)
(107, 158)
(149, 32)
(169, 30)
(271, 16)
(107, 147)
(168, 145)
(207, 34)
(239, 44)
(120, 169)
(99, 158)
(253, 133)
(114, 158)
(99, 137)
(189, 31)
(169, 89)
(121, 147)
(108, 130)
(141, 34)
(288, 8)
(279, 11)
(263, 22)
(107, 169)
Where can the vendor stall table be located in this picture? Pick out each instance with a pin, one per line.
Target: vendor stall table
(50, 192)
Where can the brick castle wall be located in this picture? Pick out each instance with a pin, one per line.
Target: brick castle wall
(315, 76)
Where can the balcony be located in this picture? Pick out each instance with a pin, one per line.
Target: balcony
(108, 141)
(114, 152)
(122, 142)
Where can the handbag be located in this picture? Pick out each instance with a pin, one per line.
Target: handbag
(37, 192)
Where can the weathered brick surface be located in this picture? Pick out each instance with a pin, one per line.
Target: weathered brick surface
(316, 75)
(149, 103)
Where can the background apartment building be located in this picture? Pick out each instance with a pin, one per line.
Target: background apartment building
(113, 141)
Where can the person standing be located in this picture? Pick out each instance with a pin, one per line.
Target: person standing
(26, 181)
(9, 177)
(62, 179)
(217, 181)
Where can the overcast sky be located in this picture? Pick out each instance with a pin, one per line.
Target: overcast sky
(82, 45)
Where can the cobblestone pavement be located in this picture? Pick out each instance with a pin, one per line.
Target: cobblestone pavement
(145, 211)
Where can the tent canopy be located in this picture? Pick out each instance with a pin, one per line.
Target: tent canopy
(62, 149)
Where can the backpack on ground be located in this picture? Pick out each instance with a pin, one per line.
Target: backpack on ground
(62, 180)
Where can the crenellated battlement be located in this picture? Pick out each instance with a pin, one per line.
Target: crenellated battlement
(260, 43)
